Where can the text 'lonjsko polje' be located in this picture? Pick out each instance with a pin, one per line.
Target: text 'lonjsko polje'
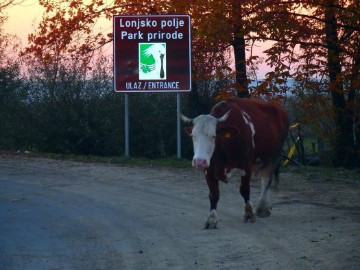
(140, 23)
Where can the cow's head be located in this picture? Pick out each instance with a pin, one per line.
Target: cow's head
(203, 133)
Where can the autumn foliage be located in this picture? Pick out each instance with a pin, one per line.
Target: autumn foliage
(315, 51)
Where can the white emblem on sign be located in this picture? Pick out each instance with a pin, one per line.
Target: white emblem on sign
(152, 61)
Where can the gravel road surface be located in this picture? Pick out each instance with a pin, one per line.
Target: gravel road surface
(72, 215)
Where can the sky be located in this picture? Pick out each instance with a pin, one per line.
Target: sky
(23, 18)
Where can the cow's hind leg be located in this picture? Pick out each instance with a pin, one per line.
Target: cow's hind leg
(264, 207)
(276, 180)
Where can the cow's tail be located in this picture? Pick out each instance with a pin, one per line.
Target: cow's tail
(275, 184)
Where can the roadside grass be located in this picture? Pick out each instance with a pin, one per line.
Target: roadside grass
(171, 162)
(327, 172)
(174, 162)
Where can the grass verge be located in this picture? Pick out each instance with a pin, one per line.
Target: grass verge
(171, 162)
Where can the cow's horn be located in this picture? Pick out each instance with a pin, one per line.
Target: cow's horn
(185, 119)
(224, 117)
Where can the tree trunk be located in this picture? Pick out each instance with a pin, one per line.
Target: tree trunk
(239, 51)
(344, 146)
(351, 104)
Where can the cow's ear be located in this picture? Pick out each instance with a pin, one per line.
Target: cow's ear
(188, 130)
(227, 133)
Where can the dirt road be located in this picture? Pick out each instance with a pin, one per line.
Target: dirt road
(72, 215)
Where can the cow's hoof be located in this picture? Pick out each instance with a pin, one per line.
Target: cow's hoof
(249, 217)
(263, 212)
(249, 213)
(210, 226)
(211, 222)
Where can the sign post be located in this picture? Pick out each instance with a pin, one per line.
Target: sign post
(152, 53)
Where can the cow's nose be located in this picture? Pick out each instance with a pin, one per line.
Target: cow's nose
(200, 163)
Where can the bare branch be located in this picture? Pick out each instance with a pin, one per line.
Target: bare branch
(294, 41)
(8, 3)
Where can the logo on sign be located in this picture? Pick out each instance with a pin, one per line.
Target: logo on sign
(152, 61)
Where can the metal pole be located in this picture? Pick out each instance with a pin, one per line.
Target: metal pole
(178, 125)
(126, 124)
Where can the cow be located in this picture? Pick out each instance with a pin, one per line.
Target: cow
(243, 133)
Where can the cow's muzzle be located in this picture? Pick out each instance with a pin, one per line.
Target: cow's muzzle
(200, 163)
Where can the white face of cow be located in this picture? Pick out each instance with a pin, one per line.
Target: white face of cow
(203, 135)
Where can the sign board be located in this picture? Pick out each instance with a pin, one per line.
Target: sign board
(152, 53)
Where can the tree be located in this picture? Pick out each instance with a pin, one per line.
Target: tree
(4, 4)
(315, 41)
(71, 107)
(219, 29)
(13, 128)
(320, 40)
(12, 92)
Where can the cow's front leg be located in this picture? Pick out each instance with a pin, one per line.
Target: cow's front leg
(245, 193)
(214, 195)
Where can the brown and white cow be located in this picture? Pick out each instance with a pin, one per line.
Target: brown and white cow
(247, 134)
